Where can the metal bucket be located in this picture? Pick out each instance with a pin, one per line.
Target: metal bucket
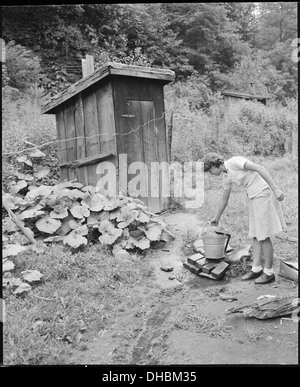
(215, 245)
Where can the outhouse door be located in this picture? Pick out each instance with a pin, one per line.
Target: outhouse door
(142, 144)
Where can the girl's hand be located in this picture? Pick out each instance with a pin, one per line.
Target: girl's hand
(214, 222)
(279, 194)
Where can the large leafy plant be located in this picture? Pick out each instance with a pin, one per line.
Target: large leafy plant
(73, 214)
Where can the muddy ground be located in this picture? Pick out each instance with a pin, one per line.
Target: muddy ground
(183, 321)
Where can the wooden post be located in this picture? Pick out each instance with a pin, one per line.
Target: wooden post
(170, 131)
(18, 223)
(252, 86)
(87, 65)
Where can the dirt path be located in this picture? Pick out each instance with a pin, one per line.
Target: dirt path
(183, 320)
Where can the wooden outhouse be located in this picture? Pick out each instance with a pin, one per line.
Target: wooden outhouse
(115, 114)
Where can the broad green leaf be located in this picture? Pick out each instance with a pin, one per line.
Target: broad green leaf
(143, 218)
(79, 211)
(10, 201)
(154, 233)
(48, 225)
(31, 213)
(51, 201)
(118, 246)
(74, 240)
(42, 173)
(129, 245)
(12, 250)
(73, 224)
(59, 215)
(108, 238)
(95, 202)
(132, 206)
(14, 281)
(31, 275)
(7, 265)
(97, 217)
(123, 225)
(114, 214)
(22, 176)
(18, 187)
(36, 154)
(113, 204)
(137, 234)
(6, 277)
(59, 208)
(77, 194)
(65, 227)
(65, 193)
(109, 233)
(142, 244)
(24, 287)
(127, 215)
(66, 202)
(25, 160)
(106, 226)
(41, 191)
(81, 230)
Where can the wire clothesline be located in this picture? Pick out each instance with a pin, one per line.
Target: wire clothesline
(85, 137)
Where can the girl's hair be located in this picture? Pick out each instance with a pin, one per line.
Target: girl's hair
(212, 160)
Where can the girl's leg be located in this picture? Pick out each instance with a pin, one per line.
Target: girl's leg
(256, 255)
(256, 269)
(267, 248)
(268, 274)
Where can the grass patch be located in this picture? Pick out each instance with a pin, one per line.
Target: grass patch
(207, 324)
(210, 325)
(253, 334)
(78, 298)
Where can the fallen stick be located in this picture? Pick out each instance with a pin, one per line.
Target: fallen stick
(18, 223)
(287, 238)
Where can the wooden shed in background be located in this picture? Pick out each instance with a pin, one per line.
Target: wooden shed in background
(117, 109)
(232, 97)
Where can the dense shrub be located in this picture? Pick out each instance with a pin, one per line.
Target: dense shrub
(203, 123)
(23, 127)
(22, 67)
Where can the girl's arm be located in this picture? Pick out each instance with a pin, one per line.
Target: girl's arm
(222, 206)
(265, 175)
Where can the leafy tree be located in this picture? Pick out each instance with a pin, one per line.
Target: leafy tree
(22, 67)
(208, 34)
(277, 23)
(245, 19)
(254, 70)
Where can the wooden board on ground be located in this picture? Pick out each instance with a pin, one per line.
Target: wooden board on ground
(219, 271)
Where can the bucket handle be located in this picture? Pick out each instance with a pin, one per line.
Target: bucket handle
(228, 237)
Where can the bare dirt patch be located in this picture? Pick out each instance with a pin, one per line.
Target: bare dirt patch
(178, 318)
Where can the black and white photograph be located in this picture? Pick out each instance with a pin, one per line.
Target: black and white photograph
(150, 187)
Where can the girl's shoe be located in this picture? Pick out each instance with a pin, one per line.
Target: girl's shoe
(251, 275)
(265, 279)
